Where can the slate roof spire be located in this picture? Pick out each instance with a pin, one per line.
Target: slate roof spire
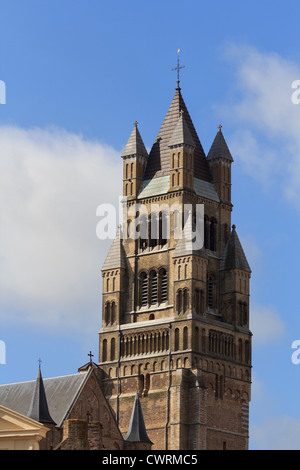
(158, 163)
(181, 134)
(116, 257)
(219, 148)
(234, 256)
(135, 145)
(137, 430)
(38, 409)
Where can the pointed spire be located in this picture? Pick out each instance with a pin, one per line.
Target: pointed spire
(219, 148)
(181, 134)
(135, 144)
(158, 163)
(234, 256)
(137, 430)
(38, 409)
(116, 257)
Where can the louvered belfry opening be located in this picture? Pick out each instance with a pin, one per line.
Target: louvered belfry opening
(163, 286)
(153, 288)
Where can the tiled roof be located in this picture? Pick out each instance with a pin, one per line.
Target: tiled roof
(205, 189)
(181, 134)
(234, 256)
(219, 148)
(60, 392)
(116, 257)
(159, 158)
(135, 144)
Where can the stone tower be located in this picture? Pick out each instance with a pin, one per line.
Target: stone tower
(175, 323)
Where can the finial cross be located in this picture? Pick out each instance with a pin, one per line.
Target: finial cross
(91, 355)
(178, 68)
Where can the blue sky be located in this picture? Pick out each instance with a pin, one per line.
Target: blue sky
(77, 75)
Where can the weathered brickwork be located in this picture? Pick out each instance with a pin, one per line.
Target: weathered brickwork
(175, 323)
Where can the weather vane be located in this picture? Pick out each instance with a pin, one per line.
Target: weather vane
(178, 68)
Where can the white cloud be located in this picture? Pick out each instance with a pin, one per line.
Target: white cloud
(265, 324)
(50, 258)
(277, 433)
(266, 139)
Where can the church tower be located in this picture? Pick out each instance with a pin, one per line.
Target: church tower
(175, 318)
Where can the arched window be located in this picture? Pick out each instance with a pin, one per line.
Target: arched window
(143, 231)
(163, 228)
(104, 350)
(131, 170)
(154, 229)
(143, 289)
(107, 313)
(196, 339)
(179, 272)
(126, 170)
(176, 339)
(213, 232)
(112, 349)
(240, 343)
(247, 351)
(113, 313)
(141, 383)
(179, 301)
(185, 337)
(185, 300)
(147, 384)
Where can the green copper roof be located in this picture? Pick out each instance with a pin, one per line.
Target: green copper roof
(161, 185)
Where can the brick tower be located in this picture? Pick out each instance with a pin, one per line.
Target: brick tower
(175, 323)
